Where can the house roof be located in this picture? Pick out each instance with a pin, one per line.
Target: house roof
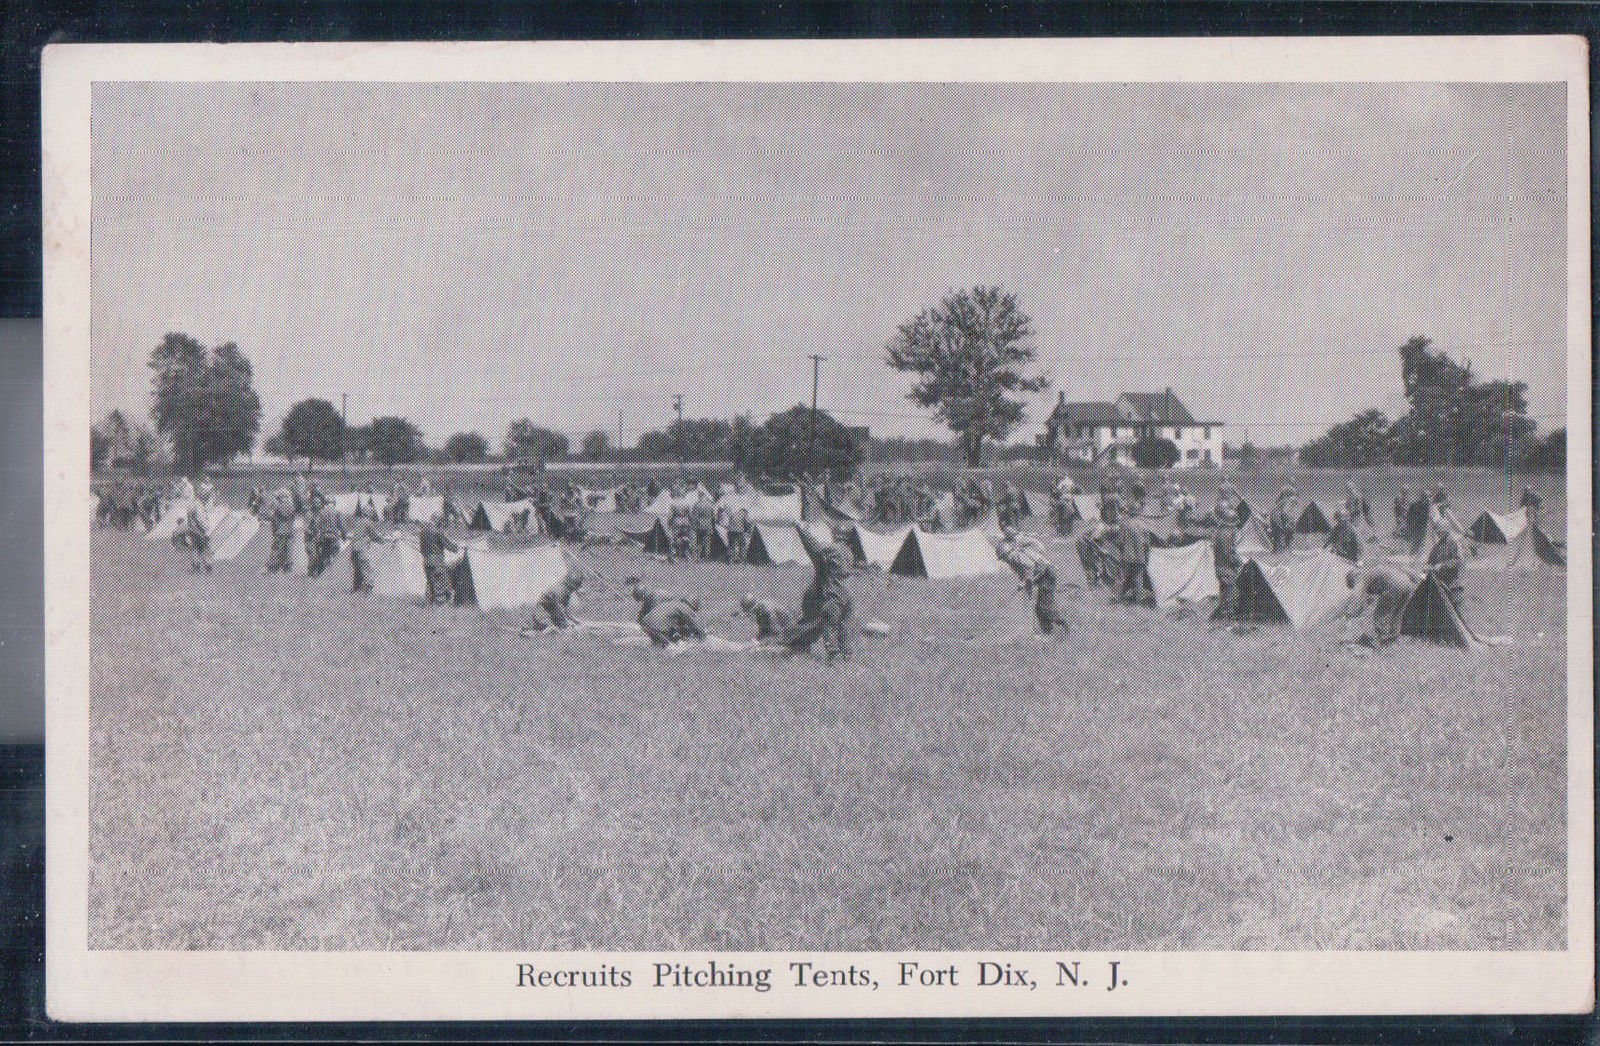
(1088, 414)
(1158, 408)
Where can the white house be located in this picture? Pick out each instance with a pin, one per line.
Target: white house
(1106, 432)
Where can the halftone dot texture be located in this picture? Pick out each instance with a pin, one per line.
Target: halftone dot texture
(277, 762)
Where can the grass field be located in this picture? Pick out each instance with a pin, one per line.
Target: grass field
(280, 765)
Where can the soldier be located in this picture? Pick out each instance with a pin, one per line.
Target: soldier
(665, 618)
(1133, 554)
(1444, 563)
(1384, 589)
(825, 606)
(329, 530)
(205, 491)
(282, 522)
(1355, 504)
(258, 500)
(1402, 504)
(365, 532)
(185, 490)
(1225, 553)
(1183, 503)
(772, 623)
(1342, 539)
(704, 517)
(1533, 504)
(1025, 555)
(302, 491)
(1283, 521)
(424, 489)
(434, 545)
(1063, 509)
(399, 503)
(1417, 514)
(681, 532)
(198, 540)
(551, 610)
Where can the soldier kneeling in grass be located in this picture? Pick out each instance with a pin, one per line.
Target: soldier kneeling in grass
(772, 622)
(1384, 590)
(665, 618)
(552, 609)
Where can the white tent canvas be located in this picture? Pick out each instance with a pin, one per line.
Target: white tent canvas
(965, 553)
(397, 569)
(773, 544)
(1184, 574)
(495, 515)
(172, 516)
(513, 579)
(347, 504)
(422, 509)
(1493, 528)
(231, 535)
(877, 550)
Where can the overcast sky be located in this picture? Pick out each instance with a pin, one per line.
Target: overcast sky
(469, 254)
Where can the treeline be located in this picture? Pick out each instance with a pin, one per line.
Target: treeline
(1454, 419)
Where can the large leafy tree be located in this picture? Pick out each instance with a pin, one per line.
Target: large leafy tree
(596, 445)
(784, 445)
(971, 354)
(313, 429)
(467, 447)
(394, 441)
(524, 439)
(204, 401)
(1357, 443)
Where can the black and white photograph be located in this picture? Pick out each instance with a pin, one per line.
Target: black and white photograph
(758, 536)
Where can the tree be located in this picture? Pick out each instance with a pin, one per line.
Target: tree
(357, 441)
(524, 439)
(203, 401)
(313, 429)
(99, 445)
(970, 353)
(467, 447)
(275, 446)
(1358, 443)
(781, 445)
(394, 441)
(596, 445)
(1155, 452)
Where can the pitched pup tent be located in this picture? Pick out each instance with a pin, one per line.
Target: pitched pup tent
(1429, 614)
(492, 579)
(772, 544)
(1184, 574)
(497, 515)
(1532, 547)
(1492, 528)
(876, 550)
(966, 553)
(1312, 520)
(1306, 590)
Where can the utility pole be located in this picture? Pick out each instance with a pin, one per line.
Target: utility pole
(811, 436)
(344, 432)
(619, 430)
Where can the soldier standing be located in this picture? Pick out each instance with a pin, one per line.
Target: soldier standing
(1343, 538)
(434, 545)
(282, 522)
(366, 531)
(1444, 563)
(1225, 553)
(198, 540)
(329, 531)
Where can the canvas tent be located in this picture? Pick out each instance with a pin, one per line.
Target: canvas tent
(421, 509)
(876, 550)
(1253, 539)
(1429, 614)
(654, 539)
(966, 553)
(397, 568)
(492, 579)
(598, 500)
(1305, 590)
(1531, 547)
(1492, 528)
(1184, 574)
(368, 504)
(230, 535)
(772, 544)
(1088, 507)
(497, 515)
(1312, 520)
